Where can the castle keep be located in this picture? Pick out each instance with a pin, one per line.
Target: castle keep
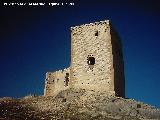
(96, 62)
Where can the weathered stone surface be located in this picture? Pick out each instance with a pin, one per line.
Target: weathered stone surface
(56, 82)
(96, 62)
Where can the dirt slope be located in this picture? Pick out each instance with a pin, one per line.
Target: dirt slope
(76, 105)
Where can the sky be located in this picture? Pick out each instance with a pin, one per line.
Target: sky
(36, 39)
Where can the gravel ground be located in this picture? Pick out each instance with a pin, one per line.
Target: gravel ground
(79, 105)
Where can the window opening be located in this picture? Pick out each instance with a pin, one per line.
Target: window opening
(66, 79)
(96, 33)
(91, 60)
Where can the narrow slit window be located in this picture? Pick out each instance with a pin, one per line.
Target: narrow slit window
(66, 79)
(96, 33)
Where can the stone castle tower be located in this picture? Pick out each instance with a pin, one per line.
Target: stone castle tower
(96, 62)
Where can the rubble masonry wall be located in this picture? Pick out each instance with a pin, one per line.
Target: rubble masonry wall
(56, 82)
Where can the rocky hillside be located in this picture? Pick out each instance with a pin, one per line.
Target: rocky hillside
(74, 104)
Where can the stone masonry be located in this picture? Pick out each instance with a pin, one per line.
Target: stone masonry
(96, 62)
(56, 81)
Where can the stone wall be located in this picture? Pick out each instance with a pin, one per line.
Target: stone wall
(118, 64)
(56, 82)
(94, 41)
(96, 62)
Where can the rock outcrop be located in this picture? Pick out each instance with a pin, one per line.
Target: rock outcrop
(74, 104)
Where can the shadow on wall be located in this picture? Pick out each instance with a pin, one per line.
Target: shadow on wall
(118, 64)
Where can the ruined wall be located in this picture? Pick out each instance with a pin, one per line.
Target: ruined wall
(99, 42)
(92, 40)
(56, 81)
(96, 62)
